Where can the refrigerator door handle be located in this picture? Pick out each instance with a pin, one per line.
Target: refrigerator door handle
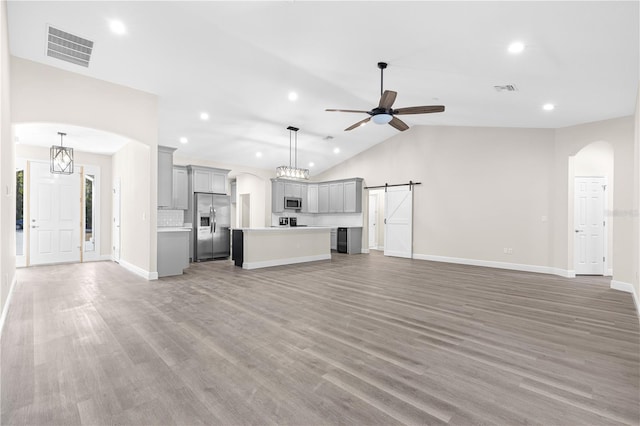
(210, 217)
(214, 221)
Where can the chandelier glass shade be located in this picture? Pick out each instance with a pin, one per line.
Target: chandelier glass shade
(292, 171)
(61, 158)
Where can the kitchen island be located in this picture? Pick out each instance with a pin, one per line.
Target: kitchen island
(264, 247)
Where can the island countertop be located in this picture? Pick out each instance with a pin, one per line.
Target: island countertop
(284, 228)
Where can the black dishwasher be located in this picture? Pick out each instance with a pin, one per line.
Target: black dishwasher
(342, 240)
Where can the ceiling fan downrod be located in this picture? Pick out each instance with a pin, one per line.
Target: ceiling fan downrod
(382, 66)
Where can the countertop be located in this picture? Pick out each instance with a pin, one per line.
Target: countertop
(285, 228)
(174, 228)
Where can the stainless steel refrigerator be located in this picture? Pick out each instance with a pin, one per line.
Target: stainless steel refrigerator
(211, 223)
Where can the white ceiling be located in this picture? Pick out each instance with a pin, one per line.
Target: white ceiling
(238, 61)
(79, 138)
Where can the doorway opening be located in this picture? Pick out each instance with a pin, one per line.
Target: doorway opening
(591, 191)
(376, 219)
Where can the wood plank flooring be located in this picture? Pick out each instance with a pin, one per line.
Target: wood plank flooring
(360, 339)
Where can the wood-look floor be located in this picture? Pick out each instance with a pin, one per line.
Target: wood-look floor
(360, 339)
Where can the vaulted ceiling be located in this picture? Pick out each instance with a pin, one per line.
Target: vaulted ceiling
(239, 61)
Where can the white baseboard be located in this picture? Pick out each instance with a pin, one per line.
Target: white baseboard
(364, 251)
(628, 288)
(280, 262)
(609, 272)
(7, 303)
(499, 265)
(138, 271)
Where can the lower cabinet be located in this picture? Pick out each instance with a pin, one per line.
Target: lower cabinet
(173, 253)
(349, 240)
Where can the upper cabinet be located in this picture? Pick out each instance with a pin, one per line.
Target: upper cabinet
(165, 176)
(341, 196)
(323, 198)
(180, 188)
(208, 179)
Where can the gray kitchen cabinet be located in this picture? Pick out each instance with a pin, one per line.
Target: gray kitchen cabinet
(208, 179)
(323, 198)
(312, 199)
(165, 176)
(234, 190)
(336, 197)
(353, 196)
(293, 189)
(277, 196)
(180, 193)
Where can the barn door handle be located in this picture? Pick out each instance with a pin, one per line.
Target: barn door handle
(579, 230)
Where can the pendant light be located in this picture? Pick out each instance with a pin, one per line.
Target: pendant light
(292, 171)
(61, 158)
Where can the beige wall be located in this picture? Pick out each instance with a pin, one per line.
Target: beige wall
(486, 189)
(131, 166)
(97, 104)
(636, 203)
(7, 174)
(479, 193)
(29, 152)
(569, 141)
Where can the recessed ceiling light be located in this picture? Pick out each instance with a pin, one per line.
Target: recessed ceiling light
(548, 107)
(336, 150)
(311, 164)
(258, 154)
(184, 140)
(516, 47)
(293, 96)
(204, 116)
(117, 27)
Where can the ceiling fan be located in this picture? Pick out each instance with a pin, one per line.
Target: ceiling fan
(383, 113)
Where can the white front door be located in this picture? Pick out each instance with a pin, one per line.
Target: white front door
(373, 216)
(398, 222)
(589, 225)
(54, 226)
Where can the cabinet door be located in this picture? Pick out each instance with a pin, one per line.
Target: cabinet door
(312, 199)
(336, 197)
(180, 189)
(219, 183)
(165, 177)
(350, 201)
(201, 181)
(292, 189)
(277, 197)
(323, 198)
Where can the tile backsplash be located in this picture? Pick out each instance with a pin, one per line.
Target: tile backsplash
(170, 217)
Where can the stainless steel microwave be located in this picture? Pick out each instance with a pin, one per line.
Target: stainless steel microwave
(292, 203)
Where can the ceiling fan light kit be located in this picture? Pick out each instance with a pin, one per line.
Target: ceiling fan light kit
(383, 113)
(292, 172)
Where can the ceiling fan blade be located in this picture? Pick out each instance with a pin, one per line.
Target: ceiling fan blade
(346, 110)
(398, 124)
(358, 124)
(419, 109)
(387, 99)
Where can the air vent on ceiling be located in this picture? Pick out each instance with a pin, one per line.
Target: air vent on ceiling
(68, 47)
(506, 88)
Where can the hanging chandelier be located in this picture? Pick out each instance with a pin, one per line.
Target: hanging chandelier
(61, 158)
(292, 172)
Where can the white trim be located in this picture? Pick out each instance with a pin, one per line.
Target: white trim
(99, 258)
(7, 303)
(628, 288)
(138, 271)
(610, 272)
(364, 251)
(280, 262)
(499, 265)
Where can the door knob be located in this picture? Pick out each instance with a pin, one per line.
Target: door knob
(34, 226)
(578, 230)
